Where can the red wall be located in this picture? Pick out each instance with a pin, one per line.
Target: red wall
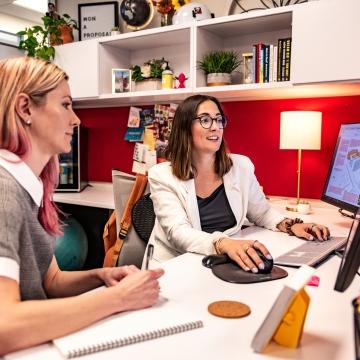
(253, 130)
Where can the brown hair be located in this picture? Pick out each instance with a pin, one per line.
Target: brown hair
(36, 78)
(180, 145)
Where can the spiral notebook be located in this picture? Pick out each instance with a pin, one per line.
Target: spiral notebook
(125, 329)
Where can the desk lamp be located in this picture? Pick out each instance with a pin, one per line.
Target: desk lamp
(300, 130)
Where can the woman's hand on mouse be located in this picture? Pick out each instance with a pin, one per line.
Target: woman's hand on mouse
(243, 252)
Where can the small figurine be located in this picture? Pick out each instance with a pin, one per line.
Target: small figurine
(52, 11)
(181, 79)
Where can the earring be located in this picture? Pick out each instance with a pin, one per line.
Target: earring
(28, 122)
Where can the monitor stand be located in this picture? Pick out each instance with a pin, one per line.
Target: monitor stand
(343, 213)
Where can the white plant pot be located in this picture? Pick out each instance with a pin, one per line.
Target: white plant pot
(218, 79)
(151, 84)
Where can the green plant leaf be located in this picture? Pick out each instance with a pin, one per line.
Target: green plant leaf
(35, 40)
(219, 62)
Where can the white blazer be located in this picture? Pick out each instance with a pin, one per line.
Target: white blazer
(177, 226)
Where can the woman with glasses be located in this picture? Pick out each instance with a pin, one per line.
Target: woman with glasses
(203, 194)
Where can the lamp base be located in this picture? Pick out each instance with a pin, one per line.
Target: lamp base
(304, 207)
(291, 206)
(301, 206)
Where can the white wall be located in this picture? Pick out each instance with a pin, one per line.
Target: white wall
(14, 18)
(13, 24)
(9, 51)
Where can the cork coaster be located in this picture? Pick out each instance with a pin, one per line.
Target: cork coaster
(229, 309)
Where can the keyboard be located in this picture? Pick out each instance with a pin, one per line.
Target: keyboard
(310, 252)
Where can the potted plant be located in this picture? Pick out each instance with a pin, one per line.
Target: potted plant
(39, 41)
(65, 26)
(218, 66)
(148, 76)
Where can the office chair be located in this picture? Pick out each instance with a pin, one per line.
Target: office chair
(143, 217)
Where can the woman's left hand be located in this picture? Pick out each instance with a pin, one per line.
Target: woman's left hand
(311, 231)
(112, 275)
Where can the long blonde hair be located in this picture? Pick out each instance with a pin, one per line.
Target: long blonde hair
(35, 78)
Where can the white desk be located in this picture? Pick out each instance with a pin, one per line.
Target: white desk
(328, 332)
(96, 194)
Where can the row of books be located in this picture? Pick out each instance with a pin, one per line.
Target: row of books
(272, 62)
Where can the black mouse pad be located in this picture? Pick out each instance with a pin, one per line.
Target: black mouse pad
(233, 273)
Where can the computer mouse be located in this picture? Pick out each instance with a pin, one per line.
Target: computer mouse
(212, 260)
(268, 264)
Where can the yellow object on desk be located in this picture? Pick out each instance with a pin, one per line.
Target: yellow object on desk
(291, 327)
(284, 322)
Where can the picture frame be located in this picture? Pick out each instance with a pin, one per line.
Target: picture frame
(120, 80)
(97, 19)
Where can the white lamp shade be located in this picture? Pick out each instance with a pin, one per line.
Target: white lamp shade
(300, 130)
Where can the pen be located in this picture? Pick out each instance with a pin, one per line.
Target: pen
(149, 254)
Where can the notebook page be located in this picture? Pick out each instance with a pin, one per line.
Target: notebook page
(124, 325)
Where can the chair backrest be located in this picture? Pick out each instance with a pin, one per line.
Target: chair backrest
(133, 248)
(143, 217)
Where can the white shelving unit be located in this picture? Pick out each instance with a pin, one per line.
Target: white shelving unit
(325, 35)
(239, 33)
(318, 69)
(136, 48)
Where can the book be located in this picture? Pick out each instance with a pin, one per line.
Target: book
(266, 61)
(283, 302)
(283, 60)
(271, 63)
(258, 62)
(126, 328)
(275, 62)
(287, 59)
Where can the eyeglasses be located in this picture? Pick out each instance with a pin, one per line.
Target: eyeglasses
(206, 121)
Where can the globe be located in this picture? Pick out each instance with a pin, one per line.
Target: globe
(72, 247)
(136, 13)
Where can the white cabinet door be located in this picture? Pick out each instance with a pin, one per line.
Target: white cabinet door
(80, 61)
(325, 41)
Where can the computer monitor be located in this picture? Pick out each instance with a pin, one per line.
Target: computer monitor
(342, 186)
(351, 258)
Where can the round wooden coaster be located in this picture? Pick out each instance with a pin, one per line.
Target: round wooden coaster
(229, 309)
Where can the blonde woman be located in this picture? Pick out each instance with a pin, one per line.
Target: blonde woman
(37, 122)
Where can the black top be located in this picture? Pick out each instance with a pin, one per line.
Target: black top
(215, 211)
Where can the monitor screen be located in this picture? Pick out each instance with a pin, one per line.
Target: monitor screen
(342, 186)
(351, 259)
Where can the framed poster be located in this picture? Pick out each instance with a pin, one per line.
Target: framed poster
(97, 19)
